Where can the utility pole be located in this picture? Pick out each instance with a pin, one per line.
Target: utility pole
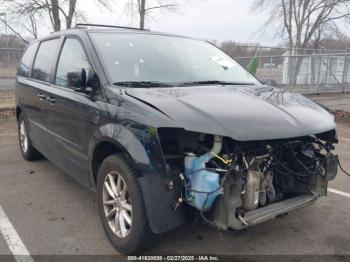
(7, 36)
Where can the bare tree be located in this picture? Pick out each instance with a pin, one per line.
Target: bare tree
(304, 22)
(67, 9)
(145, 7)
(20, 16)
(301, 19)
(33, 25)
(57, 8)
(24, 16)
(337, 41)
(13, 30)
(54, 11)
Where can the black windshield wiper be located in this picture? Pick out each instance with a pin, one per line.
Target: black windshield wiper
(212, 82)
(142, 84)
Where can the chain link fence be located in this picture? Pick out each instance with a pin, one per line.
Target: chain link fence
(9, 60)
(305, 70)
(301, 70)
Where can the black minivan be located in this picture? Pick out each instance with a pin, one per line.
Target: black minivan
(165, 128)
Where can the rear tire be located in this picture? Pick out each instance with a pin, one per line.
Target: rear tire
(28, 151)
(121, 206)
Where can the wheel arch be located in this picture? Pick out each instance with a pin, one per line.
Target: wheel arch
(18, 111)
(142, 149)
(104, 149)
(114, 138)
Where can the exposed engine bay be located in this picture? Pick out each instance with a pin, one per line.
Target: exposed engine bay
(234, 184)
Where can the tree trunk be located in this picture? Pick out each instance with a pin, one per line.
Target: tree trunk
(142, 14)
(55, 15)
(298, 62)
(72, 5)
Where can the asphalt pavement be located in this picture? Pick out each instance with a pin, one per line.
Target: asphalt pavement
(7, 83)
(48, 213)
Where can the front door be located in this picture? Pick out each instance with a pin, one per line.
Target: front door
(69, 111)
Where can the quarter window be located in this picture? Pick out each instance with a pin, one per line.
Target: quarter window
(27, 60)
(72, 60)
(44, 60)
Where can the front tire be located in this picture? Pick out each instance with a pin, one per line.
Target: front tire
(121, 206)
(29, 153)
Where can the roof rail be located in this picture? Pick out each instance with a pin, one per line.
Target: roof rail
(109, 26)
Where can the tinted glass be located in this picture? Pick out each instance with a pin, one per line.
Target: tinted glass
(72, 59)
(27, 60)
(142, 57)
(44, 60)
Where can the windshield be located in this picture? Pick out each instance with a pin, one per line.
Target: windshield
(166, 59)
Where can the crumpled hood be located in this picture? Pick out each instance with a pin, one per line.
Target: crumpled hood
(241, 112)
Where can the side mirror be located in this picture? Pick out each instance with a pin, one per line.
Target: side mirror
(93, 85)
(77, 80)
(83, 83)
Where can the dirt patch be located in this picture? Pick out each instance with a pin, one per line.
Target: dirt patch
(7, 112)
(341, 114)
(7, 104)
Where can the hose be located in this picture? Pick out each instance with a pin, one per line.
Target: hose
(342, 169)
(202, 212)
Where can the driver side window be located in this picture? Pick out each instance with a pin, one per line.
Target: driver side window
(72, 60)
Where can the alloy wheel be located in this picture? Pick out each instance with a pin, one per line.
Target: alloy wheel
(117, 204)
(23, 136)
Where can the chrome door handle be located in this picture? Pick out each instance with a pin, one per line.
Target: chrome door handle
(51, 100)
(41, 97)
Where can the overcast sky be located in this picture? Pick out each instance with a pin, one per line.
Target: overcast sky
(207, 19)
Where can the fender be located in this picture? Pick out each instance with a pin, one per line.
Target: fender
(20, 108)
(141, 144)
(124, 140)
(19, 99)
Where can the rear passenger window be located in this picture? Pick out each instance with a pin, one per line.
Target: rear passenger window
(72, 60)
(44, 60)
(27, 60)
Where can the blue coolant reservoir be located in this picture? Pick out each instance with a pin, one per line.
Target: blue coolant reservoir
(201, 180)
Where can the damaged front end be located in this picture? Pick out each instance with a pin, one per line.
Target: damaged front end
(235, 184)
